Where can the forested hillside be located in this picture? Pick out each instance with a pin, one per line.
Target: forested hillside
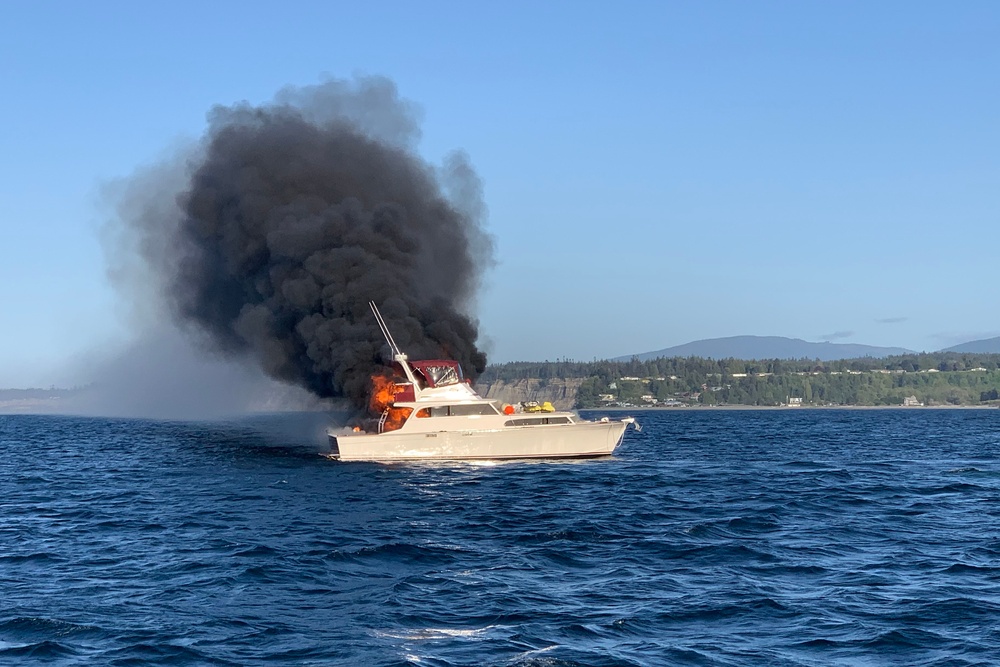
(931, 379)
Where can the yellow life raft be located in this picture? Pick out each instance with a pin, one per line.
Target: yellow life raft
(533, 406)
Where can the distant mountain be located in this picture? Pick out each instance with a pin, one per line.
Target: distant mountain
(985, 346)
(769, 347)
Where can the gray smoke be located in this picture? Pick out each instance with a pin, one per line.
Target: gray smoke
(293, 215)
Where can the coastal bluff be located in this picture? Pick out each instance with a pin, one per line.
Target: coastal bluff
(561, 392)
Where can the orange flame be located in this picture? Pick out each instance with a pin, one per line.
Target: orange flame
(384, 392)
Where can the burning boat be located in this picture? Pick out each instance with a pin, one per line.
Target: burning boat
(432, 412)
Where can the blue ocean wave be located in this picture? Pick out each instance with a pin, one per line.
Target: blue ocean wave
(711, 538)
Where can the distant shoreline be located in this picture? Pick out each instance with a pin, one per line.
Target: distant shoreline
(704, 408)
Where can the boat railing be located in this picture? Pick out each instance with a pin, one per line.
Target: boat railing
(381, 421)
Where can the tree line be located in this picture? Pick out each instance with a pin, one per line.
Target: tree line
(933, 378)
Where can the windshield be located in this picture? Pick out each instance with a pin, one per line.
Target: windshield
(439, 373)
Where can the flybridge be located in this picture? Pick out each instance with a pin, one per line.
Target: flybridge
(434, 373)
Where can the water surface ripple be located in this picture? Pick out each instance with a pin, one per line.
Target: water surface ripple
(712, 538)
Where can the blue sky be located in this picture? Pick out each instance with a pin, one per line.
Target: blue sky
(655, 172)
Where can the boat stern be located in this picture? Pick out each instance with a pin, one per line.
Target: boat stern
(334, 452)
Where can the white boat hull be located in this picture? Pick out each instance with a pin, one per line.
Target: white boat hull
(576, 440)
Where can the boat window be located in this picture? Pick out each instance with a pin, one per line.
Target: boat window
(463, 410)
(537, 421)
(472, 409)
(393, 419)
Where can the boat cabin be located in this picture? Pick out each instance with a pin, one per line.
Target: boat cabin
(437, 397)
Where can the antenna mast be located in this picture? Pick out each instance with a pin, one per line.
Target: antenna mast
(396, 352)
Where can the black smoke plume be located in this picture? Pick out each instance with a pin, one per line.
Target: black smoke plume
(295, 214)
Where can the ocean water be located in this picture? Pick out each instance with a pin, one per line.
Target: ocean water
(711, 538)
